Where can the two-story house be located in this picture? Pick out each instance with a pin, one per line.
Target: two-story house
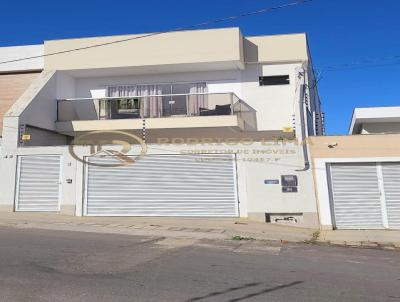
(204, 123)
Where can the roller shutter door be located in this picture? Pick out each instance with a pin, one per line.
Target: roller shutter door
(38, 183)
(356, 196)
(162, 185)
(391, 180)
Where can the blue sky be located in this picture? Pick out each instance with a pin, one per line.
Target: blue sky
(340, 32)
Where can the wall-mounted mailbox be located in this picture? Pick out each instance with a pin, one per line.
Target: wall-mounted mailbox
(289, 189)
(289, 180)
(289, 183)
(69, 181)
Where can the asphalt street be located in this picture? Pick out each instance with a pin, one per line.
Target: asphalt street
(42, 265)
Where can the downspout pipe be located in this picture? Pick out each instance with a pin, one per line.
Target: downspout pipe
(303, 122)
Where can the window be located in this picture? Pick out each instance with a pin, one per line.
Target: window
(274, 80)
(160, 101)
(128, 105)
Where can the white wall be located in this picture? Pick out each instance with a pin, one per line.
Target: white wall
(380, 128)
(65, 86)
(255, 196)
(18, 52)
(41, 109)
(269, 198)
(8, 164)
(275, 105)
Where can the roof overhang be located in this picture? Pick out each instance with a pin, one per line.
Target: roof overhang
(154, 69)
(16, 53)
(373, 115)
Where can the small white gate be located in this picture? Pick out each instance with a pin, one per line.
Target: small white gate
(38, 183)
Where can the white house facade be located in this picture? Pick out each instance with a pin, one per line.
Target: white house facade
(204, 123)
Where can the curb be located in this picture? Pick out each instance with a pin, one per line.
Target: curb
(387, 246)
(190, 232)
(153, 230)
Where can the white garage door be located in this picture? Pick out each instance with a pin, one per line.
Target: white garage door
(38, 183)
(391, 178)
(162, 185)
(366, 195)
(356, 196)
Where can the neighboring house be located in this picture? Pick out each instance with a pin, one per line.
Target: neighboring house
(16, 77)
(223, 117)
(375, 120)
(358, 176)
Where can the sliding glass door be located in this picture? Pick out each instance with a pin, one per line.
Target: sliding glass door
(164, 99)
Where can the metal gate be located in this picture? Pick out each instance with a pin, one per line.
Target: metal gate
(365, 195)
(162, 185)
(391, 180)
(356, 196)
(38, 183)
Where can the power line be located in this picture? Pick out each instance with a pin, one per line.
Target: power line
(366, 63)
(193, 26)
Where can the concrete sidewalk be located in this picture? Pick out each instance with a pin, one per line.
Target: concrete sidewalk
(386, 239)
(198, 228)
(201, 228)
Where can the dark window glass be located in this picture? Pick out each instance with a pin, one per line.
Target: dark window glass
(274, 80)
(128, 104)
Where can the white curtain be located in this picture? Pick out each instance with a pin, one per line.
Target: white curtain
(197, 101)
(152, 106)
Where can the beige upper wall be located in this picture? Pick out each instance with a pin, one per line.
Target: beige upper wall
(225, 48)
(183, 47)
(277, 48)
(355, 146)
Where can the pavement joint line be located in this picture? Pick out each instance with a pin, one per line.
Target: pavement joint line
(114, 225)
(135, 227)
(88, 223)
(131, 226)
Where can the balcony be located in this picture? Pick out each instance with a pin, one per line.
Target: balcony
(166, 111)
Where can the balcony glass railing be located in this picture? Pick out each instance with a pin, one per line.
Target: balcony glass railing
(151, 106)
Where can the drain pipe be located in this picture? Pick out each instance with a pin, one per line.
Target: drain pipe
(303, 121)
